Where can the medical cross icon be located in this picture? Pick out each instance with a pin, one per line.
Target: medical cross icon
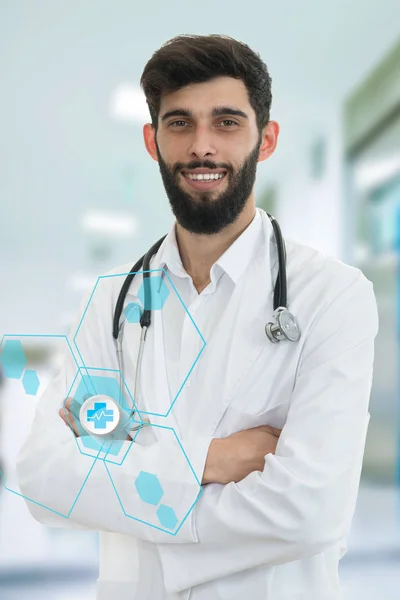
(100, 415)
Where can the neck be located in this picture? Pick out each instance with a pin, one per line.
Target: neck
(200, 251)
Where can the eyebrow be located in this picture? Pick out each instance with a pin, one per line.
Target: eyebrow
(218, 111)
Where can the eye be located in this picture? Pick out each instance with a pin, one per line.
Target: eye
(174, 122)
(229, 121)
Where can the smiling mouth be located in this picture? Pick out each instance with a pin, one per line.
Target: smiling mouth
(203, 181)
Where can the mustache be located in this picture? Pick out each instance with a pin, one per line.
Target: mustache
(201, 165)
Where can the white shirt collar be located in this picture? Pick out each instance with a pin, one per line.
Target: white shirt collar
(233, 261)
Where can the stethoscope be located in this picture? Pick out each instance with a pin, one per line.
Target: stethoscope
(283, 326)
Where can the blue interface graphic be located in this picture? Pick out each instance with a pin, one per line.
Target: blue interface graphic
(100, 415)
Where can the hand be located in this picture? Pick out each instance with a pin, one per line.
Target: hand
(70, 415)
(234, 457)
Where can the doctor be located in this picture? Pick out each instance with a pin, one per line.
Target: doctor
(275, 433)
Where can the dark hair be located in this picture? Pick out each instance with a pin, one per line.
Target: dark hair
(187, 59)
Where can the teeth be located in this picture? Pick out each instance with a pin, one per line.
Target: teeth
(204, 176)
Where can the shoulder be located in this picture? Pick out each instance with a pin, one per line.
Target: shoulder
(112, 280)
(322, 273)
(323, 286)
(104, 294)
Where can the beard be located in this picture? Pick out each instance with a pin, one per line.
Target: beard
(204, 214)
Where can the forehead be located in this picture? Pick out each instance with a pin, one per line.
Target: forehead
(201, 98)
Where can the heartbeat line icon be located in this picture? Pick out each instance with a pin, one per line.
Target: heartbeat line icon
(100, 415)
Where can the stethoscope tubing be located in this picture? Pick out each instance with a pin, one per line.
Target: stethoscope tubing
(280, 302)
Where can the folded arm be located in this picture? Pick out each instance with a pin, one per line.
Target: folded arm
(303, 501)
(67, 488)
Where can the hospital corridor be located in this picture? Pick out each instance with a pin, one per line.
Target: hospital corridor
(80, 195)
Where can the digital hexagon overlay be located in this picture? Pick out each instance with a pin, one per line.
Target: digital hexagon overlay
(89, 382)
(13, 359)
(167, 517)
(133, 312)
(30, 381)
(63, 340)
(149, 489)
(159, 294)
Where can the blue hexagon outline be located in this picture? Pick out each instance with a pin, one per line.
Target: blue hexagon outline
(7, 335)
(98, 455)
(195, 476)
(143, 412)
(141, 291)
(141, 422)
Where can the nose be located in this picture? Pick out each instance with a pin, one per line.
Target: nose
(202, 143)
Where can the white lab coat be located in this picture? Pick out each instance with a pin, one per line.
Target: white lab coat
(277, 534)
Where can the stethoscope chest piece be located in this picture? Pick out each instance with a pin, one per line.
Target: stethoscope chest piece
(284, 327)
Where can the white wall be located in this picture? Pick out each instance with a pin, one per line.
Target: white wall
(311, 211)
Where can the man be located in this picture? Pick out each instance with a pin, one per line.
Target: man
(275, 433)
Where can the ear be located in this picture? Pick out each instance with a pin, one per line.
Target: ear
(269, 140)
(149, 135)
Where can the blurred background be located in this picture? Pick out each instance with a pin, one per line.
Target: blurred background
(79, 195)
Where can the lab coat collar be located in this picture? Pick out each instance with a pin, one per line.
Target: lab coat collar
(233, 261)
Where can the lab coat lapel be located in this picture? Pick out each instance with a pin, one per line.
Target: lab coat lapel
(158, 397)
(237, 342)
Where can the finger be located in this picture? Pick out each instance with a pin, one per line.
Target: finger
(74, 407)
(63, 414)
(70, 404)
(71, 423)
(68, 419)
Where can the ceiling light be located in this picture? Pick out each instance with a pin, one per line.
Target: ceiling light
(128, 103)
(109, 223)
(370, 174)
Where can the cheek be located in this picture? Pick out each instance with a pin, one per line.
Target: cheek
(168, 147)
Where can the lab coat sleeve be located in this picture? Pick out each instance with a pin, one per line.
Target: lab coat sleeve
(303, 501)
(67, 488)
